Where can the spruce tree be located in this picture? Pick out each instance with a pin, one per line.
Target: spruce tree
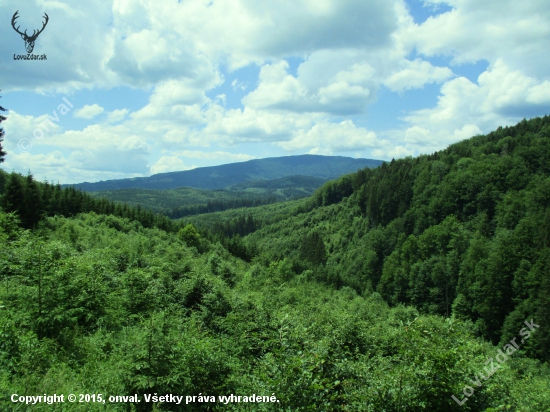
(54, 204)
(3, 180)
(2, 152)
(14, 195)
(32, 204)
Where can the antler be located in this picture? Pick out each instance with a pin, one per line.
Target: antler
(43, 26)
(15, 16)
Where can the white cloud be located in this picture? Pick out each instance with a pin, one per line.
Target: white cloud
(237, 125)
(169, 164)
(518, 33)
(221, 99)
(392, 152)
(464, 109)
(115, 159)
(237, 85)
(19, 127)
(175, 102)
(76, 42)
(276, 87)
(97, 149)
(507, 89)
(415, 74)
(302, 27)
(181, 52)
(198, 154)
(54, 166)
(327, 138)
(345, 88)
(117, 115)
(143, 43)
(89, 111)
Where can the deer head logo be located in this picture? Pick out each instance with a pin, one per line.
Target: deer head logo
(29, 40)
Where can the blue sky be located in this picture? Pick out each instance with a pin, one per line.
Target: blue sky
(159, 86)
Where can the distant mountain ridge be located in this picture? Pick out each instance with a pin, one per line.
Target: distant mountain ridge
(222, 176)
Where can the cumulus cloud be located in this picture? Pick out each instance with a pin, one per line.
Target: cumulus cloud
(96, 149)
(392, 152)
(77, 42)
(117, 115)
(237, 85)
(142, 43)
(518, 33)
(19, 127)
(321, 65)
(415, 74)
(198, 154)
(251, 125)
(502, 96)
(89, 111)
(342, 90)
(175, 101)
(111, 159)
(328, 138)
(303, 27)
(54, 166)
(169, 164)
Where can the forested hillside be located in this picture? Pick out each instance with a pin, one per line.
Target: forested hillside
(186, 201)
(463, 232)
(401, 288)
(289, 187)
(100, 305)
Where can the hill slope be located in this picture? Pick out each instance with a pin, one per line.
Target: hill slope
(98, 304)
(186, 201)
(219, 177)
(286, 187)
(164, 201)
(464, 232)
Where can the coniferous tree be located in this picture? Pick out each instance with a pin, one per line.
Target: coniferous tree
(2, 152)
(31, 212)
(55, 200)
(47, 191)
(14, 195)
(3, 180)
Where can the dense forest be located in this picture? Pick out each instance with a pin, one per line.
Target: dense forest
(187, 201)
(464, 231)
(32, 201)
(421, 285)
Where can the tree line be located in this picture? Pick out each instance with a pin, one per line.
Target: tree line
(218, 206)
(33, 201)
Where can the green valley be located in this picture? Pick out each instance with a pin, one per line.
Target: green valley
(186, 201)
(419, 285)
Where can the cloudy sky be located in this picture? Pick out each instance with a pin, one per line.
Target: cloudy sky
(138, 87)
